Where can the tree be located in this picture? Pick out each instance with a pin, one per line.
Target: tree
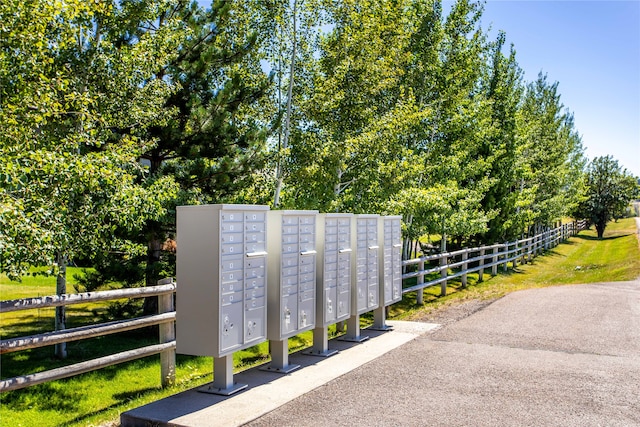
(209, 140)
(609, 190)
(68, 180)
(549, 155)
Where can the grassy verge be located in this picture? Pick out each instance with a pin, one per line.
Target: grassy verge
(581, 259)
(99, 397)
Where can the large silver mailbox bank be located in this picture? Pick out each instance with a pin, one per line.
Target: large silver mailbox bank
(222, 272)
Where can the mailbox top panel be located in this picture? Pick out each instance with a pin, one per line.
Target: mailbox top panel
(296, 212)
(337, 215)
(392, 217)
(367, 216)
(228, 206)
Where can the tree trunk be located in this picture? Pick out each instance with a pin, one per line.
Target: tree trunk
(287, 122)
(154, 254)
(600, 226)
(61, 289)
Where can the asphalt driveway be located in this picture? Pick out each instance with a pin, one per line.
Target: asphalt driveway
(560, 356)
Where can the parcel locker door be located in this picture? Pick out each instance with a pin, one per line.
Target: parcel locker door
(330, 295)
(289, 314)
(306, 310)
(231, 314)
(254, 317)
(344, 305)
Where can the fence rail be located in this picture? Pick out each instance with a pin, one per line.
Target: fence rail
(469, 260)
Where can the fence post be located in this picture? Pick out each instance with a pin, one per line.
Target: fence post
(420, 292)
(506, 256)
(494, 260)
(515, 254)
(443, 273)
(465, 257)
(481, 271)
(167, 334)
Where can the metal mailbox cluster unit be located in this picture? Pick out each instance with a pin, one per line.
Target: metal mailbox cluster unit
(239, 288)
(292, 281)
(390, 238)
(365, 273)
(222, 264)
(333, 303)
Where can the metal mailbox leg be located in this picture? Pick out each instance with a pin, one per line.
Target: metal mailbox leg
(321, 343)
(280, 358)
(353, 330)
(379, 320)
(222, 378)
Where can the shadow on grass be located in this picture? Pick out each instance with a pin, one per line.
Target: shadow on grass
(44, 397)
(603, 238)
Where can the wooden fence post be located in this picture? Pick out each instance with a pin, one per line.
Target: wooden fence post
(167, 334)
(506, 256)
(481, 271)
(465, 256)
(494, 260)
(420, 292)
(443, 274)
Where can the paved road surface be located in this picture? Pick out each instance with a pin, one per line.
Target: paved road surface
(560, 356)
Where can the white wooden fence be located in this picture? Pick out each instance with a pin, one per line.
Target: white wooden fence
(481, 258)
(165, 318)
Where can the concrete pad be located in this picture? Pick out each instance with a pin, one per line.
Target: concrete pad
(268, 391)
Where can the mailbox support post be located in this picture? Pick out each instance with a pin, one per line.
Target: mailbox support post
(353, 330)
(379, 319)
(280, 357)
(223, 378)
(321, 343)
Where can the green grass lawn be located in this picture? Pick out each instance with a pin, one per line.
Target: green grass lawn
(99, 397)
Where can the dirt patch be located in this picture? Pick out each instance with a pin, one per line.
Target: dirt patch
(453, 311)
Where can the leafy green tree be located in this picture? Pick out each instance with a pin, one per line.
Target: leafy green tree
(610, 189)
(346, 133)
(503, 89)
(210, 139)
(68, 180)
(447, 56)
(549, 151)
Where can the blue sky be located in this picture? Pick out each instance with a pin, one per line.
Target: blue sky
(592, 49)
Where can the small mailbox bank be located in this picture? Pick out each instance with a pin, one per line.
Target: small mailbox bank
(247, 274)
